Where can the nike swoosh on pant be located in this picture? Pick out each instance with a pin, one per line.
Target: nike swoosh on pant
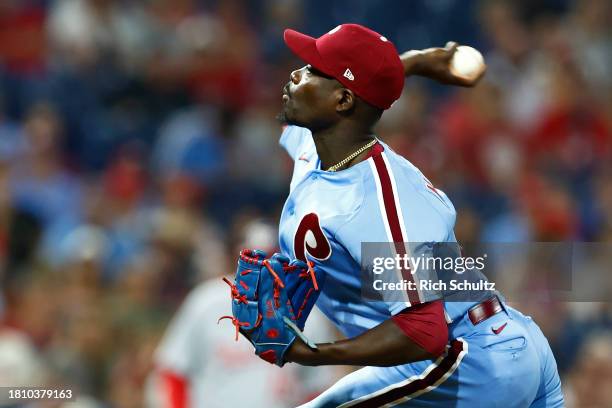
(500, 328)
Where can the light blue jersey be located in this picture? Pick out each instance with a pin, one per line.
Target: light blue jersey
(382, 199)
(326, 219)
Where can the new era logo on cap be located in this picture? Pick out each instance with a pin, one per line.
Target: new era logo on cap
(376, 73)
(348, 74)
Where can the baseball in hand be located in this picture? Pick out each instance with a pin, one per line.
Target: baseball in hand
(467, 62)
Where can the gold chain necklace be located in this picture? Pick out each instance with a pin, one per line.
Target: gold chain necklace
(335, 167)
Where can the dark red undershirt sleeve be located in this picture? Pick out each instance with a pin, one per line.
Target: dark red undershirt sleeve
(425, 325)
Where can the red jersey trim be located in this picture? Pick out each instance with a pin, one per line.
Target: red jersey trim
(393, 220)
(375, 150)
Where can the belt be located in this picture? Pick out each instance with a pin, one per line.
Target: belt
(484, 310)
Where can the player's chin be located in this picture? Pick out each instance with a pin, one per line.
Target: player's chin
(283, 119)
(286, 118)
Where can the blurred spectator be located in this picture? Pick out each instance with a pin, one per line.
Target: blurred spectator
(22, 36)
(83, 32)
(588, 385)
(514, 63)
(189, 145)
(20, 364)
(40, 180)
(588, 32)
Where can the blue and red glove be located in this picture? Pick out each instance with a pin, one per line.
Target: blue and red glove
(271, 300)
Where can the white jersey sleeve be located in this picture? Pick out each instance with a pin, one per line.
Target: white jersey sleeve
(185, 337)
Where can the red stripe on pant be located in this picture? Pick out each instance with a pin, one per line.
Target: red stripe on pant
(430, 379)
(393, 220)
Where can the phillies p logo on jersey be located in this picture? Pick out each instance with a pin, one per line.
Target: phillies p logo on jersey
(309, 238)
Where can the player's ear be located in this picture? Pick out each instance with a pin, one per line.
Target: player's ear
(345, 100)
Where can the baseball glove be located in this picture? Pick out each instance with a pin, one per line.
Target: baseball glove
(271, 300)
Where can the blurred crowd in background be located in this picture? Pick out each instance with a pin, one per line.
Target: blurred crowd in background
(139, 138)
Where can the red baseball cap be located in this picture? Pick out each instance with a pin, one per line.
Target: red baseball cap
(360, 59)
